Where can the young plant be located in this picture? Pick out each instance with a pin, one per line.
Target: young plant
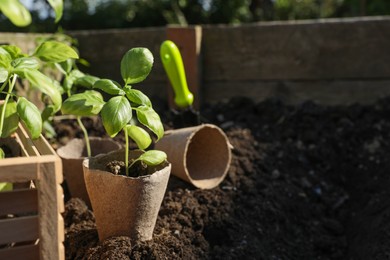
(124, 101)
(74, 78)
(14, 65)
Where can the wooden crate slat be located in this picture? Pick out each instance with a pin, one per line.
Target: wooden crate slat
(19, 229)
(19, 169)
(18, 201)
(43, 146)
(26, 140)
(30, 252)
(51, 231)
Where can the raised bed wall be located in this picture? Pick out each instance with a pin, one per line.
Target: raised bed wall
(330, 61)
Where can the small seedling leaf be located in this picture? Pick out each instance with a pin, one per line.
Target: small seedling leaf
(116, 113)
(137, 97)
(31, 116)
(153, 157)
(136, 65)
(88, 103)
(2, 154)
(11, 119)
(52, 51)
(45, 85)
(25, 63)
(16, 12)
(139, 136)
(6, 186)
(14, 51)
(86, 81)
(3, 74)
(71, 78)
(109, 86)
(58, 8)
(149, 118)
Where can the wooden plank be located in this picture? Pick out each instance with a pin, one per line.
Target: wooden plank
(18, 169)
(49, 202)
(294, 92)
(18, 202)
(325, 49)
(188, 40)
(19, 229)
(27, 142)
(30, 252)
(43, 146)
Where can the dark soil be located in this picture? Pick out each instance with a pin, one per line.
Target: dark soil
(305, 182)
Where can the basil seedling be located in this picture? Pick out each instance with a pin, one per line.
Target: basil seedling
(124, 101)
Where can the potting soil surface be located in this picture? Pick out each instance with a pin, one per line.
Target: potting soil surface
(305, 182)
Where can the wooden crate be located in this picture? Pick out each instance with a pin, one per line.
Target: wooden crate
(31, 225)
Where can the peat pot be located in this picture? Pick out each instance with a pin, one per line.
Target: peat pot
(73, 154)
(124, 206)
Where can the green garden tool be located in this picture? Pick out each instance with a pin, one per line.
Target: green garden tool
(173, 64)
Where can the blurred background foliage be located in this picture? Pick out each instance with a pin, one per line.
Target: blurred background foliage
(102, 14)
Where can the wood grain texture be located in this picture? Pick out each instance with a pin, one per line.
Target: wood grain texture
(329, 49)
(30, 252)
(18, 202)
(20, 229)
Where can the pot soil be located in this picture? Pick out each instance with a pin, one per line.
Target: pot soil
(305, 182)
(73, 154)
(124, 206)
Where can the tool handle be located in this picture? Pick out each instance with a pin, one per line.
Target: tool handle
(173, 64)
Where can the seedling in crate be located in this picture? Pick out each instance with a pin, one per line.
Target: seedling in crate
(117, 112)
(13, 65)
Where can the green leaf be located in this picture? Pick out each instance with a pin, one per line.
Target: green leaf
(71, 78)
(52, 51)
(6, 186)
(86, 81)
(31, 116)
(45, 85)
(14, 51)
(109, 86)
(136, 65)
(58, 7)
(65, 66)
(3, 74)
(16, 12)
(116, 113)
(5, 58)
(25, 63)
(2, 154)
(153, 157)
(149, 118)
(137, 97)
(88, 103)
(139, 136)
(11, 119)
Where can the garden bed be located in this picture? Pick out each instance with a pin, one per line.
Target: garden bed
(305, 182)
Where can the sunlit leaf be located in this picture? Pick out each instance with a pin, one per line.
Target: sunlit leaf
(58, 7)
(137, 97)
(109, 86)
(16, 12)
(149, 118)
(11, 119)
(14, 51)
(2, 154)
(136, 65)
(31, 116)
(116, 113)
(25, 63)
(52, 51)
(45, 85)
(139, 136)
(6, 186)
(3, 74)
(86, 81)
(88, 103)
(153, 157)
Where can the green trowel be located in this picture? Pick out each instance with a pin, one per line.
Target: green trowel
(173, 65)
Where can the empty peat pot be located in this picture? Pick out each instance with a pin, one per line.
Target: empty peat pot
(200, 155)
(124, 206)
(73, 154)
